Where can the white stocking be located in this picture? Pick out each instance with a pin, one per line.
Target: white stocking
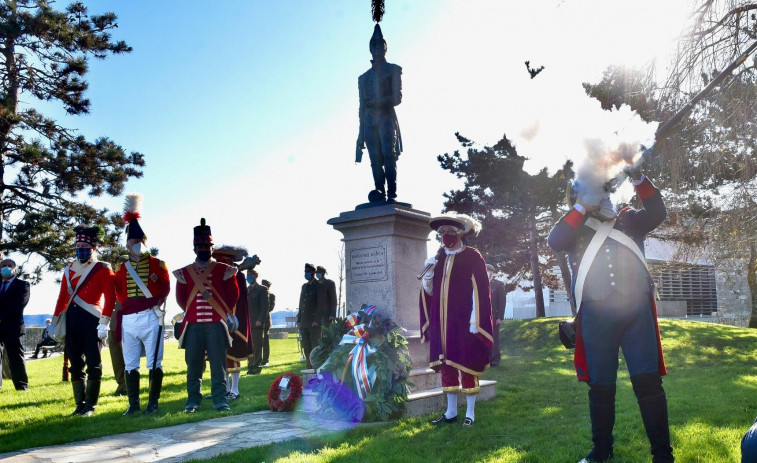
(235, 383)
(471, 412)
(451, 405)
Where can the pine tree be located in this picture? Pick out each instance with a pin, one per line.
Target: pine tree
(516, 210)
(44, 167)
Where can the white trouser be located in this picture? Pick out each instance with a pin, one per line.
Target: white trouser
(141, 334)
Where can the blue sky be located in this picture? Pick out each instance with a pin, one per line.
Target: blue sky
(246, 111)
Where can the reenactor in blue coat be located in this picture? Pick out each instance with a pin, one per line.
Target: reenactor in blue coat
(616, 310)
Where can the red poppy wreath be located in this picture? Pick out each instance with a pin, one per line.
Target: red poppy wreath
(285, 392)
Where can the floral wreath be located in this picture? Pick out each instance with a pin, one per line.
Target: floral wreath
(285, 392)
(376, 377)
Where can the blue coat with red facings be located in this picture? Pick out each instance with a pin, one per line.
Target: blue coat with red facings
(626, 275)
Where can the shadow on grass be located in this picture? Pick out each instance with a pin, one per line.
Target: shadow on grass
(540, 413)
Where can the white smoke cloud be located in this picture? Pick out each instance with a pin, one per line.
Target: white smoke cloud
(606, 155)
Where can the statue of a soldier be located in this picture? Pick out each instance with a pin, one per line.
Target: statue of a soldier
(380, 90)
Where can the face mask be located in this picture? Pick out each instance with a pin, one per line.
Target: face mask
(308, 275)
(6, 272)
(203, 256)
(450, 240)
(83, 254)
(319, 275)
(137, 249)
(250, 279)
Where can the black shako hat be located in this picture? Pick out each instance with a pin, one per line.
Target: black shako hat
(90, 235)
(132, 206)
(202, 234)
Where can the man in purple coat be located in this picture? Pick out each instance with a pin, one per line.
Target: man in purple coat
(456, 314)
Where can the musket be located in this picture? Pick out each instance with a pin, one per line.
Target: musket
(667, 125)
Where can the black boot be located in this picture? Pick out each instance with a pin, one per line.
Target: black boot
(91, 396)
(79, 396)
(602, 412)
(653, 405)
(156, 384)
(131, 378)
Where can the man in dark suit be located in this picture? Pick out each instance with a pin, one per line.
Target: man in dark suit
(14, 295)
(499, 294)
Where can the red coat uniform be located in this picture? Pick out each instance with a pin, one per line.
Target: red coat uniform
(154, 273)
(98, 293)
(460, 283)
(221, 282)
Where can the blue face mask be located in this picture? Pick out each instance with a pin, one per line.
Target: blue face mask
(308, 275)
(250, 279)
(203, 256)
(6, 272)
(83, 254)
(319, 275)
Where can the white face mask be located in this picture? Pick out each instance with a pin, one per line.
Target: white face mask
(136, 249)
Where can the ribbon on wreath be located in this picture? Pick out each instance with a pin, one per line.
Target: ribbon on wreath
(364, 377)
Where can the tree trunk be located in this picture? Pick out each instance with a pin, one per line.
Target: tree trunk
(538, 291)
(567, 280)
(752, 280)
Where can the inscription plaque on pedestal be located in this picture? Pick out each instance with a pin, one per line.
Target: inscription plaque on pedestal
(368, 264)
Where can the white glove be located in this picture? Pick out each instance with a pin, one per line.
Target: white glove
(102, 331)
(430, 261)
(472, 325)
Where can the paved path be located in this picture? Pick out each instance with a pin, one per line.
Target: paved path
(204, 439)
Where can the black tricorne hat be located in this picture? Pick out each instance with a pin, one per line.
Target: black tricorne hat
(309, 268)
(320, 269)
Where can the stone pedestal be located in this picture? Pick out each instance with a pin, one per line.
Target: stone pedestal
(385, 247)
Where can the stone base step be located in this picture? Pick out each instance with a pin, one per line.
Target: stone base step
(434, 400)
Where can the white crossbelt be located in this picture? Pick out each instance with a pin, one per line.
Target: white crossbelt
(137, 280)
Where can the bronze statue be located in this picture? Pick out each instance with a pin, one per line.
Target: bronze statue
(380, 90)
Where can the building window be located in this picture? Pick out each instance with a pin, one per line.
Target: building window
(694, 284)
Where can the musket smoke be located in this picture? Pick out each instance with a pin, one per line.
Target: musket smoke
(607, 158)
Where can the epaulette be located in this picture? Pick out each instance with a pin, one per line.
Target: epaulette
(230, 272)
(162, 264)
(179, 274)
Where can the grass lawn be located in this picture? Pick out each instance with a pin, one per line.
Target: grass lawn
(39, 416)
(540, 413)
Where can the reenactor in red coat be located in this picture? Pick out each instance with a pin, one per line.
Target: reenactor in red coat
(142, 286)
(207, 292)
(85, 304)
